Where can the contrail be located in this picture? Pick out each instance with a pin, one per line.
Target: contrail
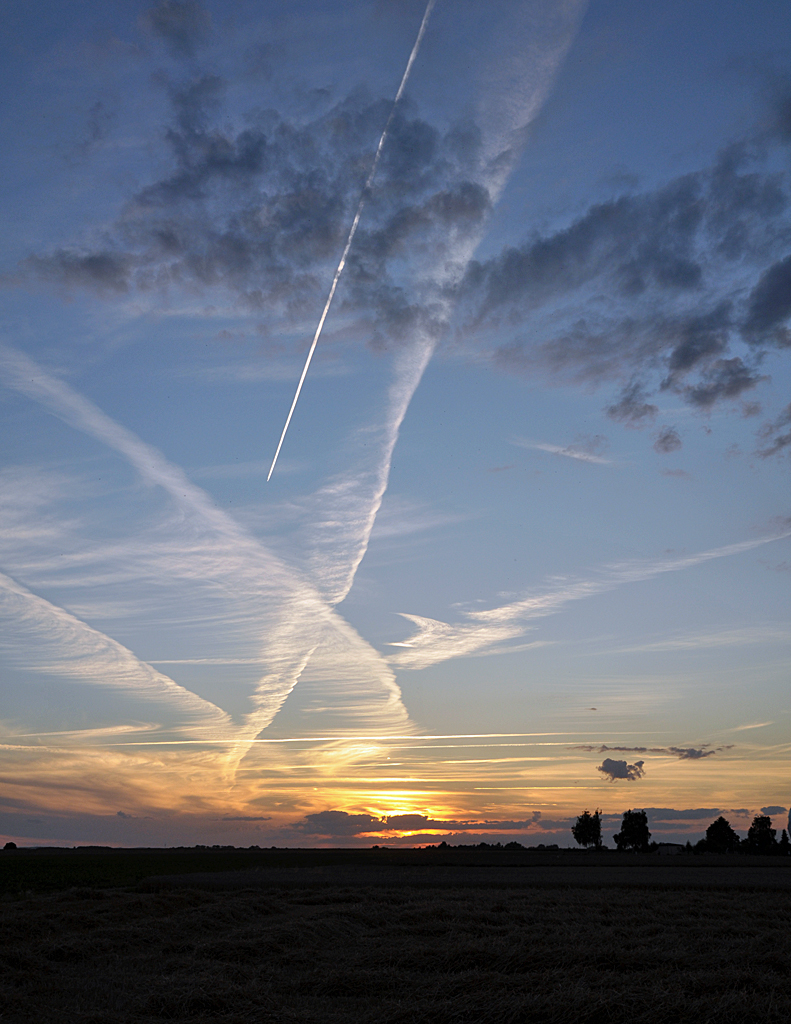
(299, 609)
(353, 229)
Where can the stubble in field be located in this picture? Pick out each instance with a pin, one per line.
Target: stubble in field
(375, 954)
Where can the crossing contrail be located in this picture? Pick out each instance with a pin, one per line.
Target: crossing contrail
(353, 229)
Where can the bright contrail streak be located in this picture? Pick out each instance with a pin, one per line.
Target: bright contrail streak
(353, 229)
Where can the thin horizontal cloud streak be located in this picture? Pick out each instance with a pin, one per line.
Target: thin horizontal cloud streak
(682, 753)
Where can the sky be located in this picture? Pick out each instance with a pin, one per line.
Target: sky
(526, 550)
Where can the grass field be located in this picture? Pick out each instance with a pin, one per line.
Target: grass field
(396, 954)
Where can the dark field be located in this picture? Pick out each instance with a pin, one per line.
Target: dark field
(48, 870)
(394, 943)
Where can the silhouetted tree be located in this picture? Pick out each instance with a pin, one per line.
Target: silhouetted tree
(784, 847)
(587, 829)
(634, 834)
(720, 837)
(761, 835)
(9, 846)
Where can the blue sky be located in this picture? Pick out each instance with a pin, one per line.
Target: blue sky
(526, 547)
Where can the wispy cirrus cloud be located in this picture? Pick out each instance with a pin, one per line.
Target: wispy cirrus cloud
(584, 450)
(484, 631)
(210, 547)
(40, 637)
(434, 189)
(255, 207)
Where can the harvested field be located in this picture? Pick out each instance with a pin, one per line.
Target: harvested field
(396, 953)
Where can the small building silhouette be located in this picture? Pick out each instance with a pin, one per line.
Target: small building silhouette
(669, 849)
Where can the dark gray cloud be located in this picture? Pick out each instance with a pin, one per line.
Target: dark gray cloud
(342, 823)
(183, 25)
(621, 770)
(772, 434)
(691, 753)
(667, 441)
(103, 271)
(725, 378)
(244, 817)
(337, 823)
(773, 809)
(697, 339)
(632, 408)
(660, 240)
(97, 127)
(683, 753)
(690, 814)
(682, 289)
(769, 306)
(262, 211)
(649, 289)
(636, 241)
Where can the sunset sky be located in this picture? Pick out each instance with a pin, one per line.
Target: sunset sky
(527, 547)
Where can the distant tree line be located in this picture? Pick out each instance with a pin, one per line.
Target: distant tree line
(720, 837)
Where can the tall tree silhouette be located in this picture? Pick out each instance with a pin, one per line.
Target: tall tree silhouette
(634, 834)
(720, 837)
(587, 829)
(761, 835)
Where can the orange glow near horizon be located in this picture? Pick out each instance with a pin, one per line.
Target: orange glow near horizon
(188, 794)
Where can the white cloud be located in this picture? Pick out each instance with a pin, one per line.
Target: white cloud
(276, 612)
(437, 641)
(41, 637)
(582, 451)
(284, 615)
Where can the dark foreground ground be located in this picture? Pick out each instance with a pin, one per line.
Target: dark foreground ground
(49, 870)
(376, 942)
